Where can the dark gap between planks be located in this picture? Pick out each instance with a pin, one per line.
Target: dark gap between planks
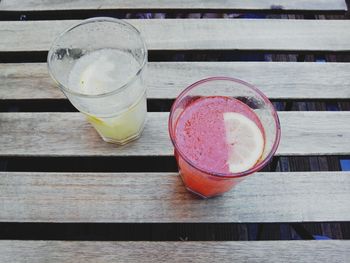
(63, 105)
(191, 55)
(164, 105)
(96, 164)
(168, 13)
(151, 164)
(171, 231)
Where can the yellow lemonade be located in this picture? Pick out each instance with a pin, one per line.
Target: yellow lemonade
(124, 127)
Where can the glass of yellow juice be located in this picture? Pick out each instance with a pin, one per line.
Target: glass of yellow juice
(99, 64)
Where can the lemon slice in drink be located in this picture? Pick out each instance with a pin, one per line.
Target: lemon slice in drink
(245, 142)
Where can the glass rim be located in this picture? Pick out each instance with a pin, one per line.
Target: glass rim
(253, 169)
(94, 20)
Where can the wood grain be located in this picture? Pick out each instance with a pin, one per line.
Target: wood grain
(165, 80)
(161, 197)
(68, 134)
(229, 251)
(166, 5)
(198, 34)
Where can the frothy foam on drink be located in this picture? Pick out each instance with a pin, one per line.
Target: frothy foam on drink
(220, 134)
(102, 71)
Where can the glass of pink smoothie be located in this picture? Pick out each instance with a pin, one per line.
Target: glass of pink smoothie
(222, 129)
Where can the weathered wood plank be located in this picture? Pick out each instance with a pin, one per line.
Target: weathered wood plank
(165, 80)
(161, 197)
(198, 34)
(68, 134)
(37, 134)
(229, 251)
(166, 5)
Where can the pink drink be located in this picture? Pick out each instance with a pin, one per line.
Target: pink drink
(201, 135)
(222, 129)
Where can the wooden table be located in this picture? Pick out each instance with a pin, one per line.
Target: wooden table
(55, 169)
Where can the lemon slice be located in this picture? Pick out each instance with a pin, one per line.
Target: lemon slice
(245, 142)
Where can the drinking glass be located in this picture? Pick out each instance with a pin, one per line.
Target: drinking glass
(118, 110)
(207, 183)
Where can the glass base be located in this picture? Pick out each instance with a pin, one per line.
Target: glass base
(214, 195)
(196, 193)
(125, 141)
(130, 139)
(193, 191)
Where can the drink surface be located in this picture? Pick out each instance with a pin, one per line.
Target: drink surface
(102, 71)
(220, 135)
(118, 117)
